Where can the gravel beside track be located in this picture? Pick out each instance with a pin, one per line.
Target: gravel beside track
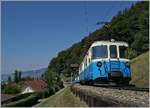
(123, 87)
(117, 97)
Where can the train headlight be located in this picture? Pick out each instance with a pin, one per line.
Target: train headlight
(99, 64)
(127, 64)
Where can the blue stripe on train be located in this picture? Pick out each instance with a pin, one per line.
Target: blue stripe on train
(92, 71)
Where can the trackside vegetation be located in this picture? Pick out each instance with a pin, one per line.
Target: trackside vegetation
(130, 25)
(64, 98)
(28, 101)
(140, 69)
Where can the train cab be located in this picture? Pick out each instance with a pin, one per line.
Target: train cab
(106, 61)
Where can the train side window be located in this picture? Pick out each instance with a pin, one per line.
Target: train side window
(113, 51)
(122, 51)
(85, 62)
(89, 61)
(83, 66)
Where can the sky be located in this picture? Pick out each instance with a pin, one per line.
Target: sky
(33, 32)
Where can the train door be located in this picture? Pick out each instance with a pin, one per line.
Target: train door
(114, 61)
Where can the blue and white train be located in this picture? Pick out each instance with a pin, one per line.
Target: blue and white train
(105, 61)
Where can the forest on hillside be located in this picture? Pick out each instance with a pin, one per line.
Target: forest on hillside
(130, 25)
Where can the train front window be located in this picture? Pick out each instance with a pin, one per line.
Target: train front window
(122, 51)
(99, 52)
(113, 51)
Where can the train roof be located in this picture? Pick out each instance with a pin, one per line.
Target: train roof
(96, 43)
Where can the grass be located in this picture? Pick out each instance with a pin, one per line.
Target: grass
(64, 98)
(140, 70)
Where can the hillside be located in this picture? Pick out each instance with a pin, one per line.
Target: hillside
(140, 69)
(130, 25)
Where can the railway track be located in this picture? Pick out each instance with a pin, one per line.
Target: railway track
(122, 87)
(100, 95)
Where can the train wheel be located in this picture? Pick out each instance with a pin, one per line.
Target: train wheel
(126, 83)
(82, 82)
(91, 82)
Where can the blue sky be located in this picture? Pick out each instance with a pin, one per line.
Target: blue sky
(34, 32)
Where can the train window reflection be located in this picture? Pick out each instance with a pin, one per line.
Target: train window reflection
(99, 52)
(113, 51)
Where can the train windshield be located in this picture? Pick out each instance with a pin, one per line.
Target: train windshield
(122, 51)
(113, 51)
(99, 52)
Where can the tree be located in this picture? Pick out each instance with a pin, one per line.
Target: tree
(53, 81)
(16, 76)
(9, 79)
(11, 89)
(19, 75)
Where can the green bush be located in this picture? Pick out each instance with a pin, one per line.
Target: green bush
(43, 94)
(131, 53)
(26, 102)
(53, 81)
(11, 89)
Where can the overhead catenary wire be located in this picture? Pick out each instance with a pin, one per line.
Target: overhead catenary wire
(87, 20)
(106, 15)
(103, 21)
(104, 18)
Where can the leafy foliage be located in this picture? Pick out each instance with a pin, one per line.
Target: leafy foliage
(9, 79)
(130, 25)
(11, 89)
(53, 81)
(17, 76)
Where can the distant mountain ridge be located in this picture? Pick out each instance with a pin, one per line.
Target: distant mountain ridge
(32, 73)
